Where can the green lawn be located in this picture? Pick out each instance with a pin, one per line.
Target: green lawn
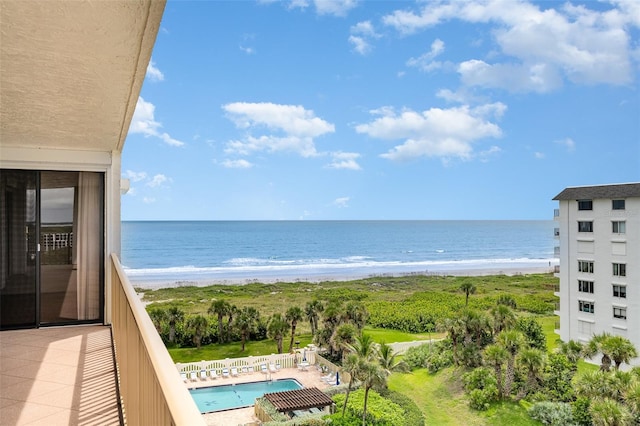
(442, 401)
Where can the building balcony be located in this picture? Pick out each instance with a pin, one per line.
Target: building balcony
(556, 214)
(556, 252)
(99, 374)
(556, 309)
(556, 290)
(556, 232)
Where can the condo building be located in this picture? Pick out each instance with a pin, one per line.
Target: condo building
(599, 251)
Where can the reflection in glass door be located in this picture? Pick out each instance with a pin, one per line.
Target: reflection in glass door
(18, 249)
(71, 247)
(51, 248)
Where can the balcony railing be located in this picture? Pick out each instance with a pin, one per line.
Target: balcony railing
(556, 213)
(556, 252)
(556, 269)
(150, 387)
(556, 232)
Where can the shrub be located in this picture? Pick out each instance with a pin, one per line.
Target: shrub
(533, 332)
(580, 408)
(412, 414)
(481, 384)
(434, 356)
(380, 411)
(552, 413)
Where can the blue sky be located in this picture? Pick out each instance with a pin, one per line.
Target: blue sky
(383, 110)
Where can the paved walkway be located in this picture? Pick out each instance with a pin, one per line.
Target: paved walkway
(58, 376)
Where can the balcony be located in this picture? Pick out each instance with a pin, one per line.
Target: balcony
(556, 252)
(67, 375)
(556, 232)
(556, 309)
(556, 214)
(556, 290)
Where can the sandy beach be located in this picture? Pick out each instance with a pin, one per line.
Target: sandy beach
(153, 283)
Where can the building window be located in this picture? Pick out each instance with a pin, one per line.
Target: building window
(585, 266)
(620, 312)
(620, 291)
(619, 227)
(585, 286)
(617, 204)
(585, 205)
(620, 269)
(585, 226)
(585, 306)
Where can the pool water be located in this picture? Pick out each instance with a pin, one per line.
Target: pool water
(227, 397)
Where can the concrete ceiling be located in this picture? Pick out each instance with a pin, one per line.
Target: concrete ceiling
(71, 71)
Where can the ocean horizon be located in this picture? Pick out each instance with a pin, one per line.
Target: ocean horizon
(170, 253)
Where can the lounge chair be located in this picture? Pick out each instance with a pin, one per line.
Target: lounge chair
(251, 369)
(183, 376)
(213, 373)
(234, 372)
(331, 378)
(193, 376)
(263, 369)
(245, 370)
(203, 375)
(225, 372)
(272, 368)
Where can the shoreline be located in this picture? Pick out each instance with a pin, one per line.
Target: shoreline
(155, 283)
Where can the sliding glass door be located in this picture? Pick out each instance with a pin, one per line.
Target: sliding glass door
(59, 228)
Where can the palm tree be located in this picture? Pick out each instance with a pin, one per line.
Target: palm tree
(607, 412)
(277, 327)
(496, 355)
(597, 345)
(511, 341)
(468, 287)
(388, 360)
(572, 350)
(312, 311)
(350, 365)
(532, 360)
(293, 315)
(363, 346)
(343, 335)
(219, 308)
(157, 315)
(503, 318)
(356, 313)
(370, 374)
(174, 316)
(233, 309)
(453, 327)
(245, 322)
(619, 349)
(197, 325)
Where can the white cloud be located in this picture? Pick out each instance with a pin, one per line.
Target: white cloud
(144, 122)
(135, 176)
(461, 96)
(237, 164)
(149, 200)
(545, 46)
(158, 180)
(425, 61)
(538, 155)
(361, 34)
(341, 202)
(568, 143)
(247, 50)
(334, 7)
(294, 126)
(442, 133)
(153, 73)
(344, 160)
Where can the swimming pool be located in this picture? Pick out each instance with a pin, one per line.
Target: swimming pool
(228, 397)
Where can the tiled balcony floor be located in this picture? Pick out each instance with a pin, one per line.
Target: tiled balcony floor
(58, 376)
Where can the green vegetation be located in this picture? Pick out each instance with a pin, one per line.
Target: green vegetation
(497, 361)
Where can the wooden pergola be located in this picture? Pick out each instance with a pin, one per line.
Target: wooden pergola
(299, 399)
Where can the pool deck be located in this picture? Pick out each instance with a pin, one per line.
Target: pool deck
(309, 379)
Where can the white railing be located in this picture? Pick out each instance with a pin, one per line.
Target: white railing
(248, 364)
(151, 391)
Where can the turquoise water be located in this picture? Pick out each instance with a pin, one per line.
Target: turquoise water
(228, 397)
(228, 250)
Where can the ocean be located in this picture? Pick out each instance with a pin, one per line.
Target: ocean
(162, 254)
